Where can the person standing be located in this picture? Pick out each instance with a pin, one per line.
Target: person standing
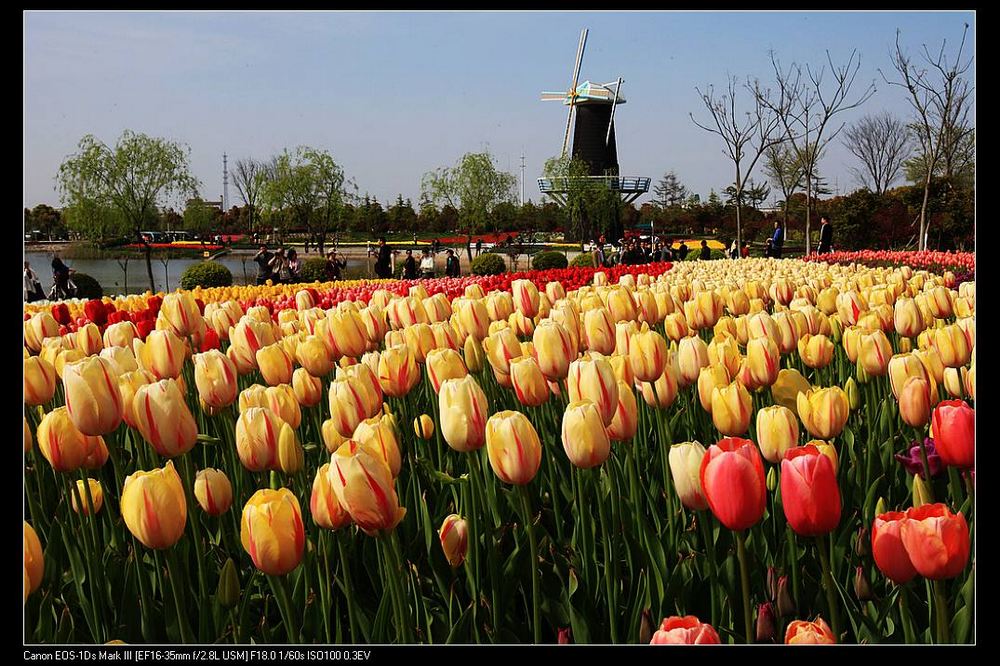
(334, 266)
(825, 236)
(777, 240)
(706, 253)
(263, 261)
(453, 267)
(479, 246)
(597, 254)
(427, 265)
(32, 285)
(682, 251)
(61, 285)
(734, 250)
(409, 266)
(294, 266)
(279, 267)
(746, 250)
(383, 268)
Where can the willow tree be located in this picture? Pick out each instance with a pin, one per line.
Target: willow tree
(117, 190)
(474, 187)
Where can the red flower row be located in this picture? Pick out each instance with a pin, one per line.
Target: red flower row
(923, 260)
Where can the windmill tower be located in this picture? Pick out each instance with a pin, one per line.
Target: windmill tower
(592, 105)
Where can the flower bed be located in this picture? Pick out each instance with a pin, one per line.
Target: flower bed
(962, 264)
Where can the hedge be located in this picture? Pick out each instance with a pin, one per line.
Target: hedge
(583, 260)
(488, 264)
(86, 286)
(544, 261)
(313, 270)
(206, 274)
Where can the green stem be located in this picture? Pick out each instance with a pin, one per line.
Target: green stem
(741, 551)
(706, 535)
(348, 589)
(609, 584)
(535, 583)
(831, 599)
(904, 615)
(942, 629)
(175, 586)
(280, 589)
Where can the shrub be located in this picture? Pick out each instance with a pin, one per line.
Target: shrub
(696, 252)
(583, 260)
(206, 274)
(488, 264)
(313, 270)
(86, 286)
(544, 261)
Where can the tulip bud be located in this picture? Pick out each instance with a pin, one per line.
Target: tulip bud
(786, 603)
(645, 627)
(291, 457)
(514, 449)
(853, 393)
(228, 591)
(862, 588)
(921, 493)
(154, 507)
(96, 496)
(862, 545)
(34, 561)
(583, 435)
(565, 636)
(772, 479)
(423, 426)
(765, 623)
(213, 491)
(685, 467)
(454, 537)
(772, 583)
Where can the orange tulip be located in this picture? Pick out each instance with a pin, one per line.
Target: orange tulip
(454, 537)
(816, 351)
(34, 561)
(936, 540)
(800, 632)
(324, 506)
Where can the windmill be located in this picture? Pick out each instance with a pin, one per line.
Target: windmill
(593, 107)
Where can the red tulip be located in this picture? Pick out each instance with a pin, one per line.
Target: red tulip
(732, 478)
(888, 550)
(210, 340)
(96, 312)
(809, 492)
(954, 425)
(936, 540)
(687, 630)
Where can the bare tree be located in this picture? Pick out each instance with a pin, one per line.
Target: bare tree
(784, 170)
(806, 107)
(747, 134)
(882, 143)
(940, 98)
(249, 177)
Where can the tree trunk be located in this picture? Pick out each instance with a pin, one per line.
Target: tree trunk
(321, 243)
(922, 241)
(149, 268)
(468, 245)
(808, 212)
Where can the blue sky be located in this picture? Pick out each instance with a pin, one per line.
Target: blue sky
(392, 95)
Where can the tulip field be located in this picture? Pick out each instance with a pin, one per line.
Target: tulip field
(734, 451)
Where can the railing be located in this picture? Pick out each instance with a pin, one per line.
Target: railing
(627, 184)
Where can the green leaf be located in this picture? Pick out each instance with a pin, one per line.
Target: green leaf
(574, 584)
(960, 625)
(460, 630)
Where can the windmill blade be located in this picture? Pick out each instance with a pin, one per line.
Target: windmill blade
(572, 89)
(614, 103)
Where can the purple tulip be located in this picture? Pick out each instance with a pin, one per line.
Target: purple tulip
(914, 462)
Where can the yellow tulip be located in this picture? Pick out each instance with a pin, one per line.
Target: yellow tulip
(39, 381)
(524, 294)
(379, 433)
(692, 356)
(313, 355)
(816, 351)
(501, 346)
(181, 315)
(901, 368)
(583, 435)
(472, 351)
(599, 331)
(724, 350)
(258, 431)
(777, 431)
(445, 336)
(96, 496)
(27, 435)
(213, 491)
(529, 383)
(625, 422)
(555, 349)
(474, 318)
(787, 387)
(215, 377)
(711, 377)
(364, 487)
(875, 352)
(308, 389)
(850, 306)
(648, 355)
(594, 379)
(162, 353)
(34, 561)
(272, 532)
(397, 371)
(454, 538)
(824, 411)
(41, 325)
(514, 449)
(732, 408)
(324, 506)
(685, 470)
(88, 339)
(154, 507)
(907, 318)
(952, 345)
(620, 305)
(246, 338)
(93, 400)
(163, 418)
(463, 412)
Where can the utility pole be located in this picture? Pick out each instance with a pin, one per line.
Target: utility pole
(225, 182)
(522, 177)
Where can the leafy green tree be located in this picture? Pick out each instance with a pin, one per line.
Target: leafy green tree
(669, 192)
(309, 189)
(46, 219)
(474, 186)
(590, 208)
(109, 191)
(198, 216)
